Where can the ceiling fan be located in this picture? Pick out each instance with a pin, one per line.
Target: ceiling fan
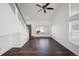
(44, 7)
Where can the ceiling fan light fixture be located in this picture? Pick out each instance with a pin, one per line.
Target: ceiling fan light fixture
(44, 7)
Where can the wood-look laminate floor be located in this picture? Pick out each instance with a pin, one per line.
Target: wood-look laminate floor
(40, 47)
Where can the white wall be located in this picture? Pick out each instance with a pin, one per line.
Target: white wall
(5, 43)
(60, 23)
(12, 33)
(8, 21)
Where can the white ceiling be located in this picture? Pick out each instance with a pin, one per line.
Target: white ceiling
(29, 10)
(74, 9)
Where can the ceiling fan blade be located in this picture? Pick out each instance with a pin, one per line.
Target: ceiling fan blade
(46, 5)
(49, 8)
(38, 5)
(44, 11)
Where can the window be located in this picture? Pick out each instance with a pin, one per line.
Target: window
(42, 29)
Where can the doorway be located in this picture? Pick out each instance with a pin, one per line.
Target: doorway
(29, 27)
